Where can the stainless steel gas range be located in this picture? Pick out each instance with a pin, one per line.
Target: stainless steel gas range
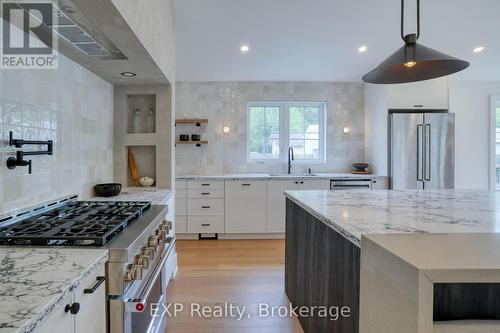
(141, 247)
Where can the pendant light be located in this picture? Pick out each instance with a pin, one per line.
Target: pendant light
(414, 62)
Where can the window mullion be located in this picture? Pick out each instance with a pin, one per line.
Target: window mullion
(286, 130)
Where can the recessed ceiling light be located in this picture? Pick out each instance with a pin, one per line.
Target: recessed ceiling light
(478, 49)
(128, 74)
(244, 48)
(362, 49)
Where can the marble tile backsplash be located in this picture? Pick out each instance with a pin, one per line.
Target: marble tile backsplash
(68, 105)
(224, 103)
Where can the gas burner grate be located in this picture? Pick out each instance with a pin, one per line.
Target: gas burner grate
(82, 223)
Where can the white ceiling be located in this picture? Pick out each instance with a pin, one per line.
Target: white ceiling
(318, 39)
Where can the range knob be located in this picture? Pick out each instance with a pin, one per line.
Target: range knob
(167, 224)
(161, 233)
(153, 241)
(134, 272)
(142, 260)
(148, 252)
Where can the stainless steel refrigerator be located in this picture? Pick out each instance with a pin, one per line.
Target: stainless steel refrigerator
(422, 150)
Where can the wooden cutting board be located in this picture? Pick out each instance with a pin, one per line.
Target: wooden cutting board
(133, 168)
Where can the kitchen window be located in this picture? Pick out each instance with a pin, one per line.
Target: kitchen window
(275, 126)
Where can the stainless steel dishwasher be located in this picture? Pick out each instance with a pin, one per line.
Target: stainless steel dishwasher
(350, 184)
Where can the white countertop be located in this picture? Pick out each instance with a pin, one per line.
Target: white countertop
(157, 196)
(276, 175)
(34, 281)
(353, 213)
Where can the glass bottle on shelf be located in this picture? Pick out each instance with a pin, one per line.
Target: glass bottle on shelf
(150, 120)
(137, 120)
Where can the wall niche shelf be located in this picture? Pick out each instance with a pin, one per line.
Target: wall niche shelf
(145, 160)
(141, 113)
(191, 121)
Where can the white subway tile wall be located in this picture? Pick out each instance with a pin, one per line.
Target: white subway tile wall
(68, 105)
(224, 103)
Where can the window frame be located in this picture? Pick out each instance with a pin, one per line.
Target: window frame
(494, 104)
(284, 120)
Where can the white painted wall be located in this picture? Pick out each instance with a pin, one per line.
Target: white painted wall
(470, 101)
(376, 128)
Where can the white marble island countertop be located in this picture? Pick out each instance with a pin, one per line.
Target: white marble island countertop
(157, 196)
(354, 213)
(35, 281)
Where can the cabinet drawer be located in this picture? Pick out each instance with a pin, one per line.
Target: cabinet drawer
(205, 184)
(206, 206)
(181, 184)
(206, 193)
(202, 224)
(181, 224)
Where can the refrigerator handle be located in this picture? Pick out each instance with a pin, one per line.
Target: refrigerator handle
(420, 154)
(427, 154)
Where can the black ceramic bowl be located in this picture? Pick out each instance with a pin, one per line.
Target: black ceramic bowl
(184, 137)
(108, 189)
(195, 137)
(360, 166)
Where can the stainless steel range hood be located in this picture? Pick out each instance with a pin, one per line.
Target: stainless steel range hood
(76, 30)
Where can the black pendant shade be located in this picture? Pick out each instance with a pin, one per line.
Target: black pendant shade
(414, 62)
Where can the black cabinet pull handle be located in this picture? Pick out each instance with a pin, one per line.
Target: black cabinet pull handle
(205, 184)
(205, 206)
(245, 184)
(100, 280)
(302, 182)
(205, 224)
(205, 193)
(73, 308)
(296, 182)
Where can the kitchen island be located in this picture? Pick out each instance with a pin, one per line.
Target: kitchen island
(323, 234)
(35, 283)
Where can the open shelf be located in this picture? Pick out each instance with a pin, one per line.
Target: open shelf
(202, 142)
(191, 121)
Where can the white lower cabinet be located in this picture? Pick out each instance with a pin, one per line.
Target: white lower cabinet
(206, 224)
(276, 198)
(276, 203)
(246, 206)
(83, 310)
(205, 206)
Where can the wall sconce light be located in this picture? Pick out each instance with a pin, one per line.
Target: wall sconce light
(226, 129)
(346, 130)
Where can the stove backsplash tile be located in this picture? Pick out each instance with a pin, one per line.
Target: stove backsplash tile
(224, 103)
(68, 105)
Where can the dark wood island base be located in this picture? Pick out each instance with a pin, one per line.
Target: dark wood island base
(321, 270)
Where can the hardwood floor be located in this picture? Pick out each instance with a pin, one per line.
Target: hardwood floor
(245, 273)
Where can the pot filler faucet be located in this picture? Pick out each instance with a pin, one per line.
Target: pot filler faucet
(13, 162)
(290, 158)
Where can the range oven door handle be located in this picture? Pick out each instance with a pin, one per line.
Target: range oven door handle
(138, 303)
